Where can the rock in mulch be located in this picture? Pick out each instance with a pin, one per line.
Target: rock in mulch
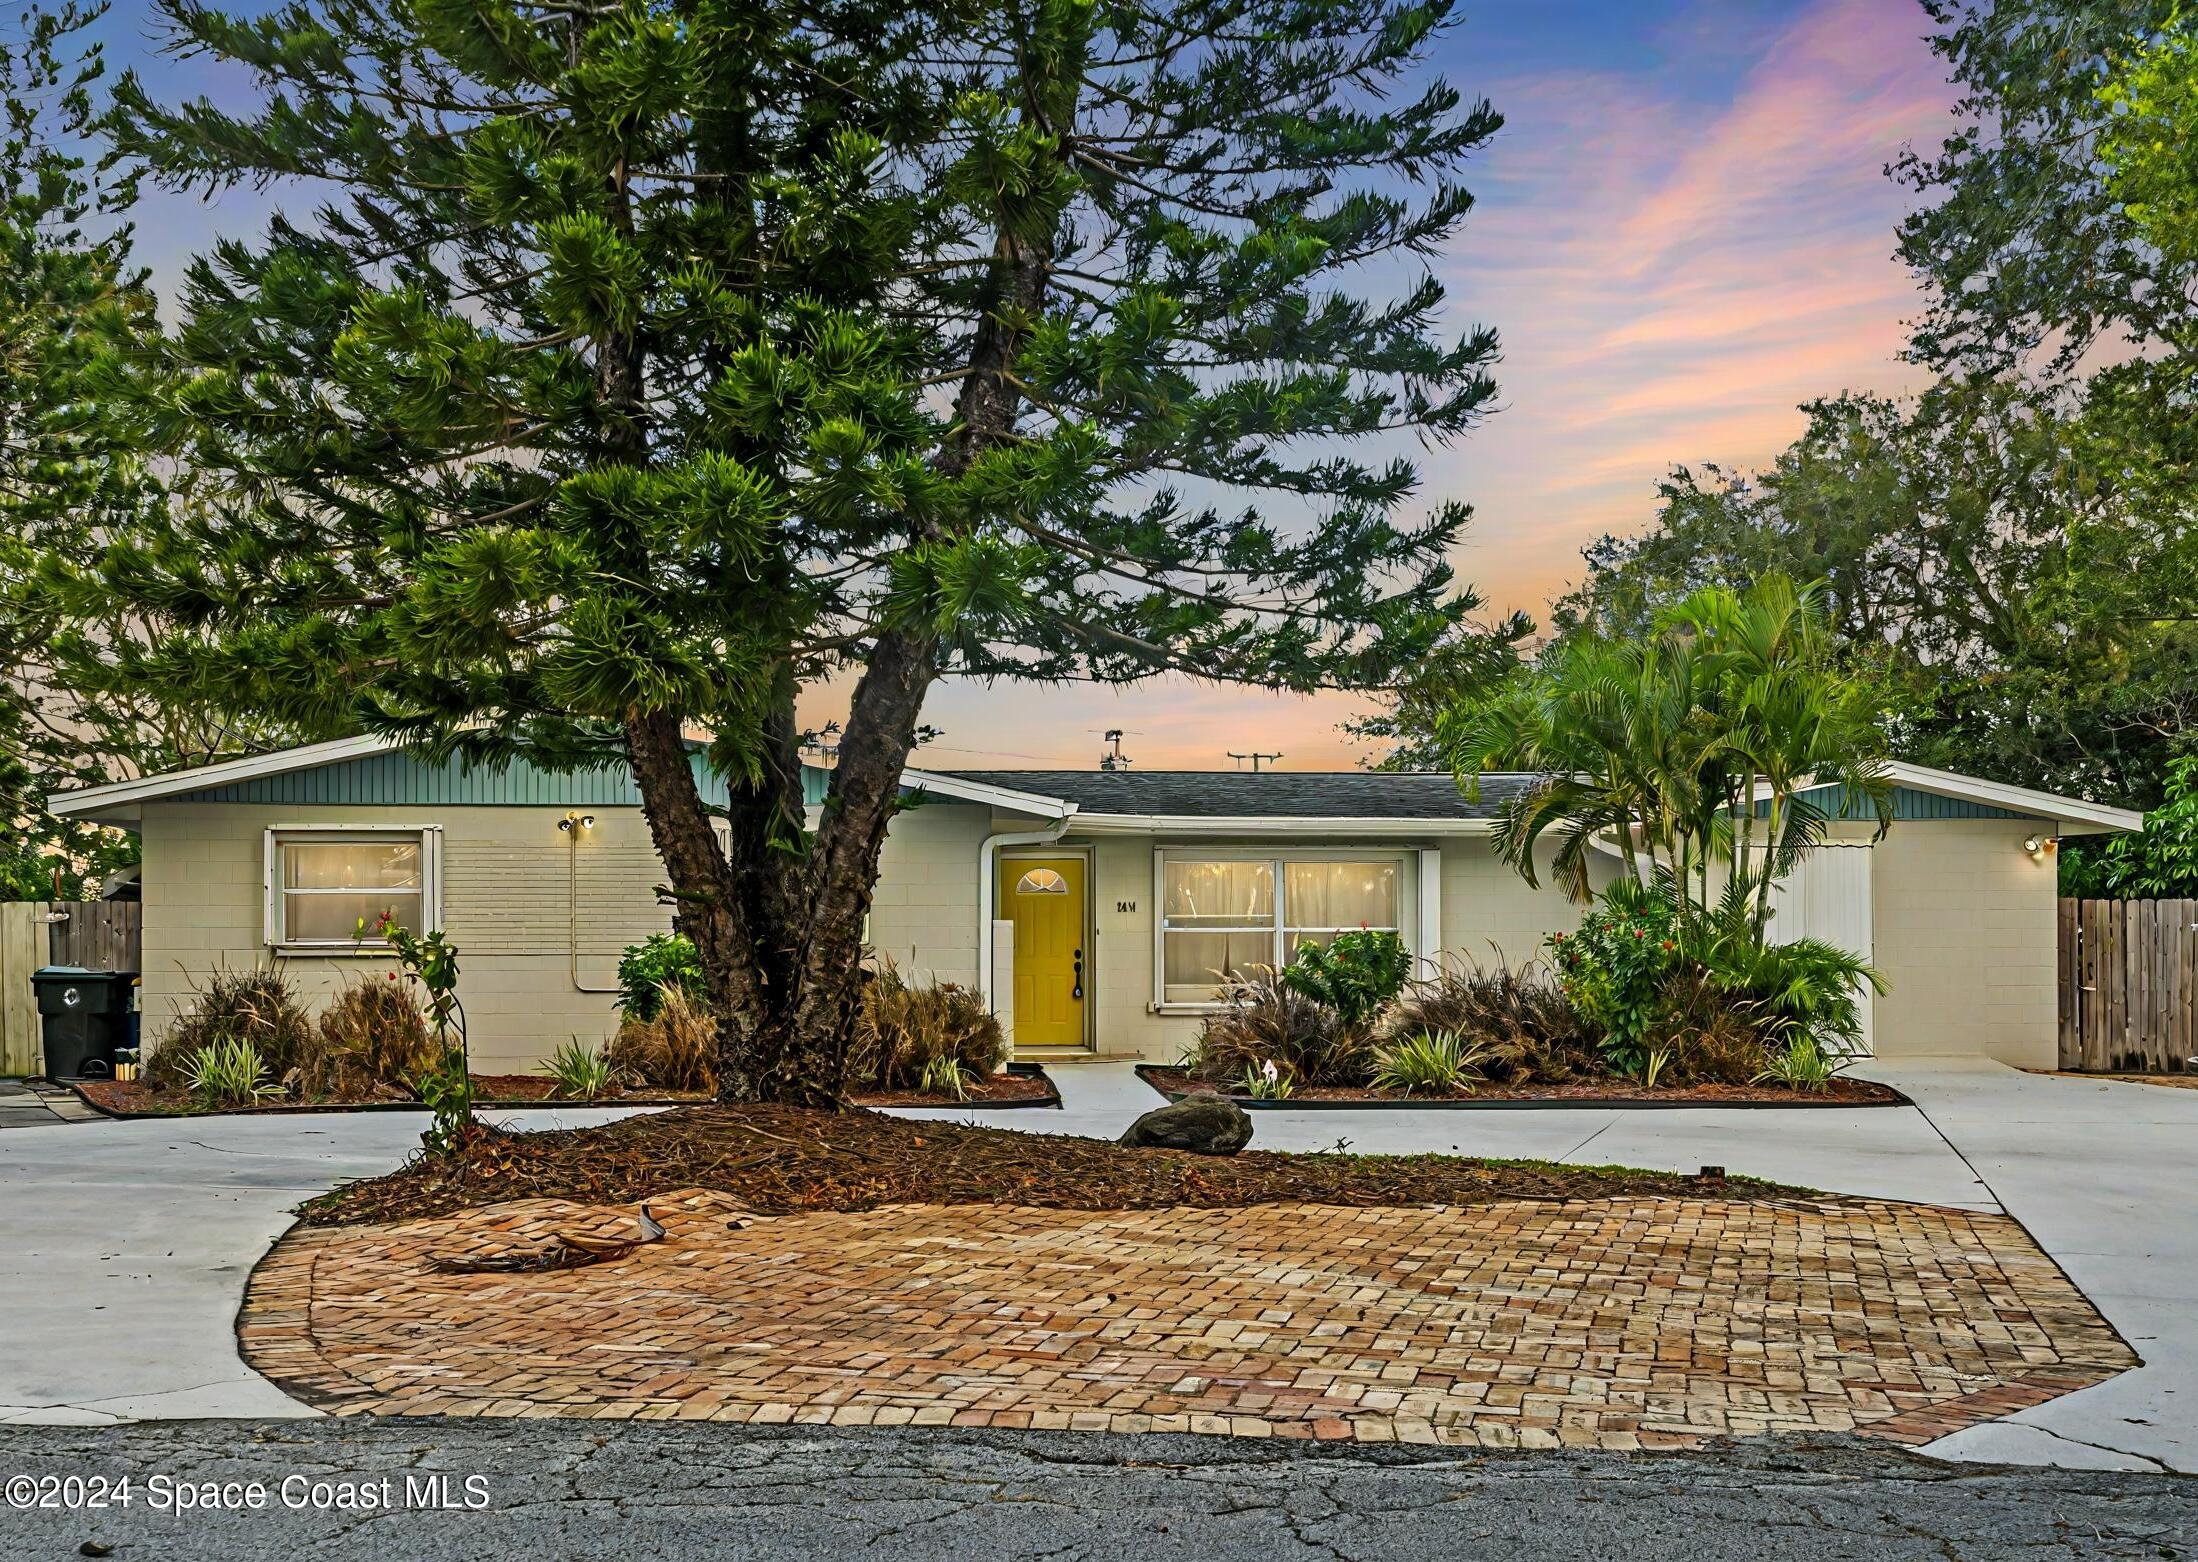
(1202, 1124)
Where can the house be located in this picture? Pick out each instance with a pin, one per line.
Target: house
(1095, 909)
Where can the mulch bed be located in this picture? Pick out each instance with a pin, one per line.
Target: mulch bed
(785, 1160)
(135, 1098)
(1599, 1092)
(2172, 1081)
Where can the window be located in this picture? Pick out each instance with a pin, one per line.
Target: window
(1041, 881)
(321, 884)
(1221, 918)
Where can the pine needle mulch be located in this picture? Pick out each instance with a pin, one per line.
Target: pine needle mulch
(784, 1160)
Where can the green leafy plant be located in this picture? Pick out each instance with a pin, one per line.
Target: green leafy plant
(447, 1088)
(1613, 966)
(1805, 988)
(1802, 1065)
(1353, 973)
(2159, 862)
(659, 965)
(227, 1073)
(1268, 1082)
(1265, 1019)
(581, 1073)
(1432, 1062)
(676, 1049)
(944, 1076)
(1656, 1057)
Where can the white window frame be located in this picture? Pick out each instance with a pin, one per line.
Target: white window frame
(1405, 858)
(274, 923)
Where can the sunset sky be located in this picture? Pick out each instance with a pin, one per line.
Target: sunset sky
(1683, 232)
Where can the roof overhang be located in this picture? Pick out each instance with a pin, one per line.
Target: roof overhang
(2071, 815)
(1008, 798)
(118, 801)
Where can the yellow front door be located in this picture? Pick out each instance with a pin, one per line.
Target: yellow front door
(1044, 898)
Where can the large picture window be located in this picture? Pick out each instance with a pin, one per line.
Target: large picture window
(1223, 917)
(322, 884)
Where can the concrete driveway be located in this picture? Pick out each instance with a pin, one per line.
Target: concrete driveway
(130, 1242)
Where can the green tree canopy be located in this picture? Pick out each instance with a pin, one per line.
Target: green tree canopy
(73, 468)
(645, 364)
(2016, 570)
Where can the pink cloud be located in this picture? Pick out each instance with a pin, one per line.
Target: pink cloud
(1670, 279)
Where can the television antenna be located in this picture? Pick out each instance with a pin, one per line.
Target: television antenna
(1255, 757)
(1111, 757)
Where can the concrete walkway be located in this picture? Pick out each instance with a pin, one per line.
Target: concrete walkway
(129, 1242)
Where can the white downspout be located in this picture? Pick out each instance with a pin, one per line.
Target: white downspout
(988, 887)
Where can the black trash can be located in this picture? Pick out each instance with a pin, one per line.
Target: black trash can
(85, 1016)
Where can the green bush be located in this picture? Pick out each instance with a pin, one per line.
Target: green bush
(581, 1073)
(1613, 967)
(1806, 989)
(906, 1034)
(1802, 1065)
(227, 1073)
(1270, 1020)
(1354, 973)
(1439, 1063)
(658, 963)
(257, 1006)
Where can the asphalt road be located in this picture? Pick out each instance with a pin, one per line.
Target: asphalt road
(550, 1491)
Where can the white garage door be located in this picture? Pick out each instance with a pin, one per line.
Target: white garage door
(1828, 897)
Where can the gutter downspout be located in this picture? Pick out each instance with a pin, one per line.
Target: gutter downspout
(573, 827)
(988, 856)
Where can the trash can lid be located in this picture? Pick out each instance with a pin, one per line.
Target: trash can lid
(79, 973)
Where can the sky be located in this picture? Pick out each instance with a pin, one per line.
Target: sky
(1683, 232)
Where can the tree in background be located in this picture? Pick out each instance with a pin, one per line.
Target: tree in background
(73, 470)
(2015, 570)
(648, 365)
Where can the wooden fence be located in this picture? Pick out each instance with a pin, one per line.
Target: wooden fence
(2129, 985)
(101, 934)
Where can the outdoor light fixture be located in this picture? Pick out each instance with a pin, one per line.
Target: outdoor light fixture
(2038, 845)
(572, 822)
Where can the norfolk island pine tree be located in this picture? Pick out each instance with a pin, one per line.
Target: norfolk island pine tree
(646, 363)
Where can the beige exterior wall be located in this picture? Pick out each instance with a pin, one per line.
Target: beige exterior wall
(504, 902)
(1963, 922)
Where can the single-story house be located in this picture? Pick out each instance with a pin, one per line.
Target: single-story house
(1096, 910)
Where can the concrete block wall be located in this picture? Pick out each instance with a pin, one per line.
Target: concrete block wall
(1963, 923)
(923, 912)
(504, 905)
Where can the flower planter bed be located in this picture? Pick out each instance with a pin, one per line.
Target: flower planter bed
(1024, 1085)
(1175, 1083)
(785, 1160)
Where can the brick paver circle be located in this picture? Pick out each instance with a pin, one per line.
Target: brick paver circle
(1623, 1323)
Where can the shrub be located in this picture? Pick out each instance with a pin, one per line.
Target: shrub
(1709, 1034)
(1802, 1065)
(676, 1049)
(905, 1029)
(225, 1073)
(581, 1073)
(1521, 1022)
(1354, 974)
(256, 1006)
(1435, 1062)
(659, 964)
(1269, 1020)
(1613, 967)
(372, 1040)
(1804, 989)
